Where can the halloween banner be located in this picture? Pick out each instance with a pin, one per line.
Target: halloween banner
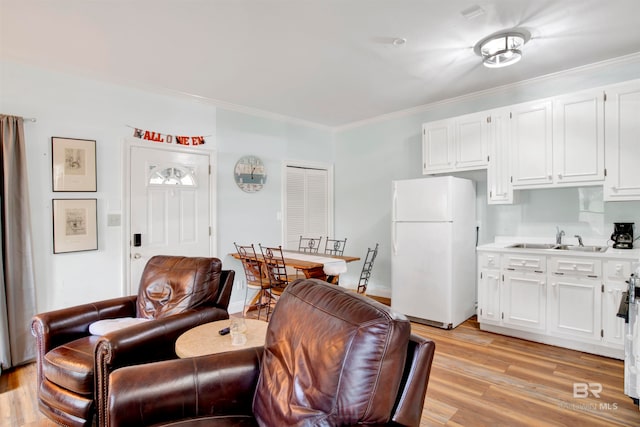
(152, 136)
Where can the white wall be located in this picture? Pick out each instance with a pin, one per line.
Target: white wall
(76, 107)
(248, 218)
(369, 156)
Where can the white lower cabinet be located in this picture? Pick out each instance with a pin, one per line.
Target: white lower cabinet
(561, 300)
(575, 307)
(615, 273)
(612, 325)
(524, 300)
(489, 288)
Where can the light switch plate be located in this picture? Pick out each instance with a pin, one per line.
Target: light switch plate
(113, 220)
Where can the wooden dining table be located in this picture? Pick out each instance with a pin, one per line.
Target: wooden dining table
(310, 264)
(312, 269)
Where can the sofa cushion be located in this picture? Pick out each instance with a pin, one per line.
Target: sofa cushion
(70, 365)
(332, 357)
(170, 285)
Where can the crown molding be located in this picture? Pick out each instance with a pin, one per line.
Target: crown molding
(622, 60)
(253, 111)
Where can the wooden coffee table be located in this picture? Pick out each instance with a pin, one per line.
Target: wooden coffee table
(205, 339)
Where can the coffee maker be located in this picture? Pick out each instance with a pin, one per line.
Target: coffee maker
(622, 235)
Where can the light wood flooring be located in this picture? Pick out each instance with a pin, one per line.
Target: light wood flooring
(477, 379)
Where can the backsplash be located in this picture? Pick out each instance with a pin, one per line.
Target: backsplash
(537, 213)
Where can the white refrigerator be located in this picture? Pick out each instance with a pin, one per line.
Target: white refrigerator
(433, 262)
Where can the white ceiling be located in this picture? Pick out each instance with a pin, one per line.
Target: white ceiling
(329, 62)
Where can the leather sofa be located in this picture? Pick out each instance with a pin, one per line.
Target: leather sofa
(331, 357)
(73, 366)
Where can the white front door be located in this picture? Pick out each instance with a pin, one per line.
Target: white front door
(169, 206)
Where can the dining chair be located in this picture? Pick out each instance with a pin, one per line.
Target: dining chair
(255, 278)
(309, 244)
(275, 270)
(334, 246)
(365, 274)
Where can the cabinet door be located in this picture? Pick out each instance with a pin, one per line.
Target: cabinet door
(612, 325)
(489, 296)
(574, 307)
(524, 300)
(531, 139)
(437, 147)
(615, 274)
(622, 133)
(578, 138)
(499, 188)
(471, 140)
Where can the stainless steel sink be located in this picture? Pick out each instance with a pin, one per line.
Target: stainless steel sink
(558, 247)
(533, 246)
(585, 248)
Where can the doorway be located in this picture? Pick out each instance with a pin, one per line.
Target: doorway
(169, 206)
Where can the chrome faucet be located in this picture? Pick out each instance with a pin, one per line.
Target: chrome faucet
(579, 240)
(559, 235)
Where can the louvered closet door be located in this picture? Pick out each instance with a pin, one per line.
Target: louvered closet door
(307, 205)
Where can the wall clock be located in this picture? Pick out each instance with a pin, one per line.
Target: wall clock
(250, 174)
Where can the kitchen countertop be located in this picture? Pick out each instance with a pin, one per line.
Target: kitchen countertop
(501, 244)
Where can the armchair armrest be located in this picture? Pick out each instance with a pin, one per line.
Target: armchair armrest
(57, 327)
(147, 342)
(54, 328)
(219, 384)
(415, 378)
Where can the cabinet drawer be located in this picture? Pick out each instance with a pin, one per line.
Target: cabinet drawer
(576, 266)
(618, 270)
(525, 262)
(489, 260)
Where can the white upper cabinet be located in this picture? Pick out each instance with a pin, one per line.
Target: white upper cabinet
(583, 138)
(437, 146)
(559, 142)
(531, 140)
(578, 138)
(472, 135)
(622, 135)
(455, 144)
(499, 188)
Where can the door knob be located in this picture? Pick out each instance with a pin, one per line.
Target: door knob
(137, 256)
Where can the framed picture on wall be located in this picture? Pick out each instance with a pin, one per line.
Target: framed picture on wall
(74, 164)
(74, 225)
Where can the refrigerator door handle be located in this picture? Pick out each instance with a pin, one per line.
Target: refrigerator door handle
(394, 203)
(394, 241)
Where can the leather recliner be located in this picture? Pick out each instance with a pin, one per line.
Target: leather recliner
(331, 357)
(176, 293)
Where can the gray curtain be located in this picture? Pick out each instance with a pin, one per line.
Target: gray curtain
(17, 287)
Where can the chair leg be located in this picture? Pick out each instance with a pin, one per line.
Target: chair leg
(263, 301)
(334, 280)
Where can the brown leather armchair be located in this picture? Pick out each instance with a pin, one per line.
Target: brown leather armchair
(331, 357)
(176, 293)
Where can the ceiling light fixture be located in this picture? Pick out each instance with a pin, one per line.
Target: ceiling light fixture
(502, 49)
